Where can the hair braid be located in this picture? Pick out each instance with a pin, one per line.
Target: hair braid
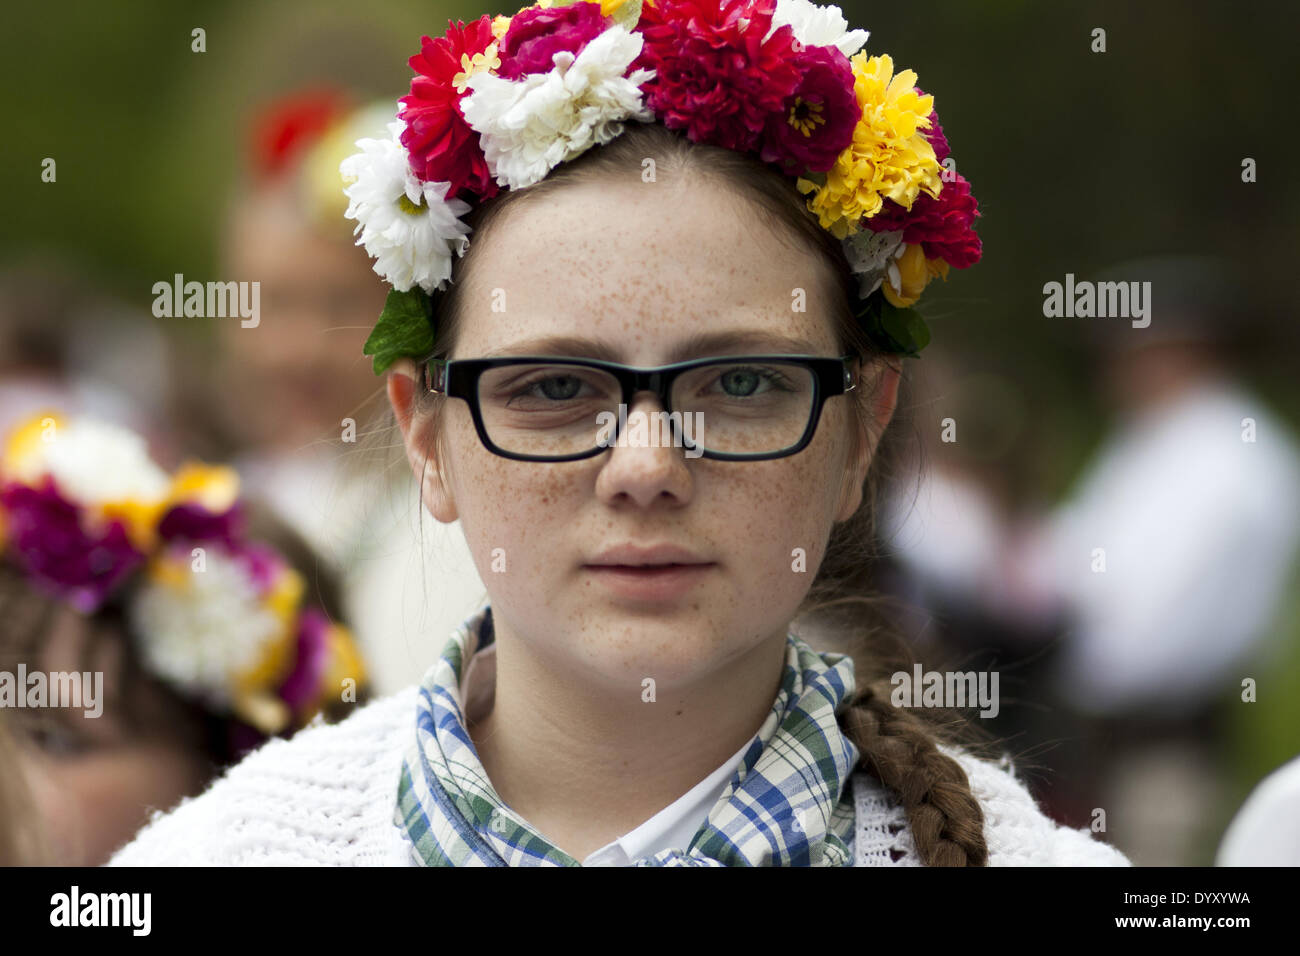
(899, 750)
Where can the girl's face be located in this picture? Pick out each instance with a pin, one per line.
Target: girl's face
(93, 780)
(637, 273)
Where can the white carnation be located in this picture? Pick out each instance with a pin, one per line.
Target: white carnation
(870, 255)
(409, 227)
(202, 633)
(814, 25)
(95, 462)
(529, 126)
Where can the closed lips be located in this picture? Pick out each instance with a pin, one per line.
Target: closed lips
(658, 557)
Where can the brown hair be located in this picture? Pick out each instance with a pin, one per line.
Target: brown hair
(21, 841)
(897, 746)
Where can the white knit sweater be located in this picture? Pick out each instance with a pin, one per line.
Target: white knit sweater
(326, 797)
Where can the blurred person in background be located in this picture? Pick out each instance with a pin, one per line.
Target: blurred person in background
(287, 400)
(1170, 558)
(206, 618)
(65, 341)
(943, 538)
(1192, 499)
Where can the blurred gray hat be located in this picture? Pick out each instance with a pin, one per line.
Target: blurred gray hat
(1192, 299)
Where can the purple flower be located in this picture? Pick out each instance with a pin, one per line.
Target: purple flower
(300, 688)
(50, 541)
(190, 522)
(816, 121)
(263, 563)
(536, 35)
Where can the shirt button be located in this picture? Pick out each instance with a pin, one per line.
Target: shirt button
(497, 822)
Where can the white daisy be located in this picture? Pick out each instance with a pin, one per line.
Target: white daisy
(529, 126)
(818, 26)
(96, 462)
(408, 227)
(870, 256)
(200, 629)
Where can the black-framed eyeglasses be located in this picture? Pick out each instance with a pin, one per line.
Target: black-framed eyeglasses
(557, 408)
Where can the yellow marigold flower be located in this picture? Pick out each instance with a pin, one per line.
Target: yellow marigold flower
(889, 158)
(906, 277)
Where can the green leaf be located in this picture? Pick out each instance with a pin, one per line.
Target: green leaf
(894, 329)
(405, 329)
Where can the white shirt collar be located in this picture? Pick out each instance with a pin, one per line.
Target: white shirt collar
(675, 825)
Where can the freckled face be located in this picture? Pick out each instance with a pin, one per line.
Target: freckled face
(643, 268)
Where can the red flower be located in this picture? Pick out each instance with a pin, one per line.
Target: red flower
(536, 35)
(817, 121)
(716, 77)
(944, 227)
(285, 127)
(442, 146)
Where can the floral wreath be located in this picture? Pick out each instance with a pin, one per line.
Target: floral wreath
(498, 103)
(86, 515)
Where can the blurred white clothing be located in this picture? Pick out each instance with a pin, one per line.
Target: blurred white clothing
(1266, 830)
(1198, 530)
(948, 536)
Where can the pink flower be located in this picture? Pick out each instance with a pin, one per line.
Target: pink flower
(536, 35)
(935, 133)
(442, 146)
(816, 123)
(716, 75)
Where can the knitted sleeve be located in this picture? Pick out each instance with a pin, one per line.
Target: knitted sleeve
(324, 797)
(1017, 832)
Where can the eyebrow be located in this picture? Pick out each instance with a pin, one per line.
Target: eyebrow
(696, 345)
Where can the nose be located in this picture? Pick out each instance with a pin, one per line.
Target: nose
(645, 467)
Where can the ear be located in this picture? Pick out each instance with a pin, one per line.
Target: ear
(882, 376)
(418, 437)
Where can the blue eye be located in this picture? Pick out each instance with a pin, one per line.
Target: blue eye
(559, 388)
(744, 381)
(58, 740)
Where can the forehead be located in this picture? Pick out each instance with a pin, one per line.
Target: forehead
(645, 269)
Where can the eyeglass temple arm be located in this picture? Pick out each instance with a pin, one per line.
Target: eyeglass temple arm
(435, 375)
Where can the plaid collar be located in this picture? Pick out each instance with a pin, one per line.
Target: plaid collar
(787, 804)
